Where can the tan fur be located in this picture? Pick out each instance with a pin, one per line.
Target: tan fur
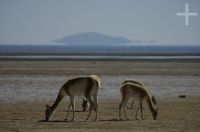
(141, 84)
(97, 78)
(133, 81)
(138, 92)
(87, 87)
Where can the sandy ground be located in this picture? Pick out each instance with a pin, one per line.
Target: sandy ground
(175, 114)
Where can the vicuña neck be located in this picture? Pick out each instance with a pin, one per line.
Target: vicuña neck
(149, 102)
(56, 103)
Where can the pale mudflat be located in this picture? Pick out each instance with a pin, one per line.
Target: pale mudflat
(157, 67)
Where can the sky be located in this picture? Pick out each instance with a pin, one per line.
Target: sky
(42, 21)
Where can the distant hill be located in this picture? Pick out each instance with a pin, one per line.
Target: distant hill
(92, 38)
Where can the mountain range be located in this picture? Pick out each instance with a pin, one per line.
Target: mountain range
(92, 38)
(96, 43)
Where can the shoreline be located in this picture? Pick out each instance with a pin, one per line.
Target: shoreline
(101, 57)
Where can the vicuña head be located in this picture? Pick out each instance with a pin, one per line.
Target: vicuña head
(85, 105)
(48, 112)
(155, 113)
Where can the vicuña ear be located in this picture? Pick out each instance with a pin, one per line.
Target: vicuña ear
(47, 106)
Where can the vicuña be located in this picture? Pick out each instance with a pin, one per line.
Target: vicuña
(87, 87)
(138, 92)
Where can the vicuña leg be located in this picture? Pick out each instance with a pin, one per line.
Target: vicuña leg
(141, 109)
(69, 108)
(136, 113)
(132, 104)
(72, 101)
(124, 105)
(91, 107)
(96, 107)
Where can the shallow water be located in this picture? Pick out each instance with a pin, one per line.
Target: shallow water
(97, 57)
(20, 88)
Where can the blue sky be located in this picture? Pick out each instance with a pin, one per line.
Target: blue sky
(41, 21)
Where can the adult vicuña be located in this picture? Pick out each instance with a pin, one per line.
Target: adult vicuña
(138, 92)
(141, 84)
(87, 87)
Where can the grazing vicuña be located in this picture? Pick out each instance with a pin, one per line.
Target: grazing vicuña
(131, 90)
(87, 87)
